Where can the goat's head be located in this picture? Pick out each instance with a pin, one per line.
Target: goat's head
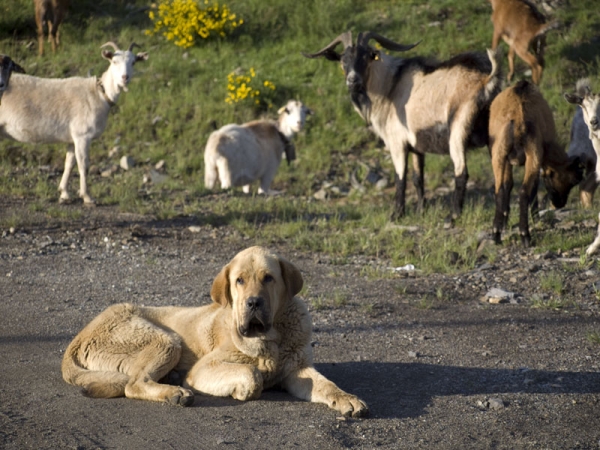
(559, 182)
(7, 66)
(292, 116)
(121, 63)
(590, 105)
(357, 61)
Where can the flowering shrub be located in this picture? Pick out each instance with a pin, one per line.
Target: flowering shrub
(247, 88)
(182, 21)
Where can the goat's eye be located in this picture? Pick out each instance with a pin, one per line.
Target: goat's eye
(240, 281)
(268, 279)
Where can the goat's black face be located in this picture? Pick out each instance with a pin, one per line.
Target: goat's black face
(559, 183)
(356, 61)
(7, 66)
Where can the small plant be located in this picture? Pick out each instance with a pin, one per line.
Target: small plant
(318, 303)
(247, 88)
(593, 337)
(339, 298)
(183, 21)
(552, 282)
(541, 302)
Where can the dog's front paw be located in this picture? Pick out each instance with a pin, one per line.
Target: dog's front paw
(349, 405)
(182, 397)
(249, 386)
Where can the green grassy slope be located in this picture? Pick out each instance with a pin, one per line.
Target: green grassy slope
(177, 94)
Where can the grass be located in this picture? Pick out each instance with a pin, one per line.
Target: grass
(177, 94)
(593, 337)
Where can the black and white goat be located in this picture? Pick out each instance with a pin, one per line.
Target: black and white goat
(419, 105)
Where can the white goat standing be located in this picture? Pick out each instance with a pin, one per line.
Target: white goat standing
(72, 110)
(238, 155)
(590, 106)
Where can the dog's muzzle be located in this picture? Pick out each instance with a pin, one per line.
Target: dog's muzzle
(256, 318)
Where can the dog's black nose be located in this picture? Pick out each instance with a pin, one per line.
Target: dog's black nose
(254, 303)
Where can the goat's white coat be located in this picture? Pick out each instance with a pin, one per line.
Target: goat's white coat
(238, 155)
(71, 110)
(590, 111)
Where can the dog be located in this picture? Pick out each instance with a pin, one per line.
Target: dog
(238, 155)
(255, 335)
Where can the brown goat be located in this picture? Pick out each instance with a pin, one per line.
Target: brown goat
(522, 27)
(52, 13)
(522, 132)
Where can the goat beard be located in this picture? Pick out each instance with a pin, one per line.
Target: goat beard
(362, 103)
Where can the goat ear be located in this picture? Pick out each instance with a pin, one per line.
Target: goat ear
(282, 110)
(17, 68)
(107, 54)
(220, 288)
(141, 57)
(575, 99)
(291, 276)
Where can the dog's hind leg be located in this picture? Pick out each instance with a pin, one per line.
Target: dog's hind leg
(152, 364)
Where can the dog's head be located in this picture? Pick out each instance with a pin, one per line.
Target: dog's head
(256, 285)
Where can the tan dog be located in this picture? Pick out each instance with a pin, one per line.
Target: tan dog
(254, 336)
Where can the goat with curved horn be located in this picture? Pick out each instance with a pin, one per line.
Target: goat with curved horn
(328, 51)
(363, 39)
(111, 44)
(419, 105)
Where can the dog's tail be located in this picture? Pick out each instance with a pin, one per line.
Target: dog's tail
(94, 383)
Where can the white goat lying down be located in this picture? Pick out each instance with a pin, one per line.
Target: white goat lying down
(590, 107)
(240, 154)
(72, 110)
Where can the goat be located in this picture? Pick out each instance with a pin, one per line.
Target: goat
(418, 105)
(51, 13)
(239, 154)
(590, 111)
(581, 145)
(72, 110)
(521, 26)
(522, 132)
(7, 67)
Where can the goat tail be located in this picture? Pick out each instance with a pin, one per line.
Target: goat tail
(94, 383)
(547, 27)
(493, 82)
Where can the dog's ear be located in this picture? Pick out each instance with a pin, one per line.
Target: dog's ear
(220, 289)
(291, 277)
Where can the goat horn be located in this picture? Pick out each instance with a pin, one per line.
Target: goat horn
(111, 44)
(133, 44)
(363, 39)
(344, 38)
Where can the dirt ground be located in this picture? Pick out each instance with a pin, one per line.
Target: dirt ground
(438, 367)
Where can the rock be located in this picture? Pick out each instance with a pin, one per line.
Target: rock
(413, 354)
(127, 162)
(110, 171)
(321, 194)
(157, 178)
(381, 184)
(496, 403)
(497, 295)
(114, 151)
(195, 229)
(160, 165)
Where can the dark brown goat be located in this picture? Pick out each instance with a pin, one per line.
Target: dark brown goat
(7, 67)
(522, 132)
(51, 13)
(522, 27)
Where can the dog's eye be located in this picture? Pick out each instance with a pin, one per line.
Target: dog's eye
(267, 279)
(240, 281)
